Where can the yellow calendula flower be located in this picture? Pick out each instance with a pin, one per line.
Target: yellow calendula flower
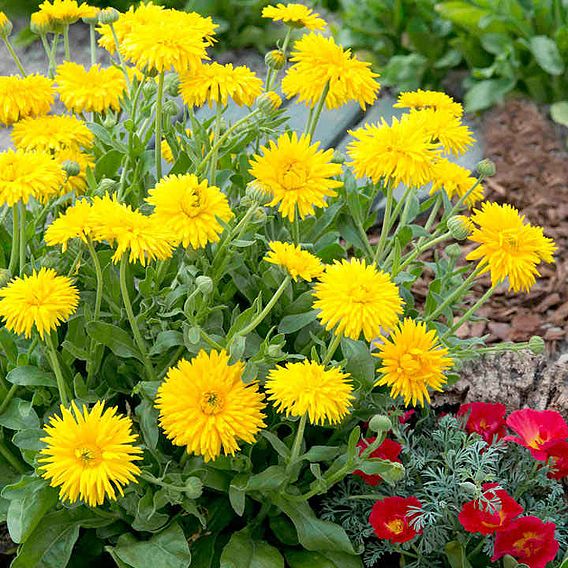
(205, 405)
(5, 25)
(90, 90)
(143, 238)
(320, 64)
(52, 133)
(90, 455)
(42, 300)
(24, 175)
(192, 210)
(173, 41)
(412, 362)
(73, 223)
(429, 100)
(215, 83)
(401, 152)
(456, 181)
(296, 174)
(297, 262)
(308, 388)
(294, 15)
(21, 97)
(65, 12)
(354, 297)
(509, 247)
(85, 160)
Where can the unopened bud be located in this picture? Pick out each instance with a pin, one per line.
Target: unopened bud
(193, 487)
(454, 250)
(5, 25)
(486, 168)
(469, 488)
(108, 16)
(255, 193)
(275, 59)
(109, 120)
(4, 276)
(71, 168)
(460, 227)
(149, 89)
(171, 84)
(40, 24)
(204, 284)
(536, 345)
(380, 423)
(170, 108)
(274, 351)
(338, 157)
(268, 102)
(107, 185)
(260, 215)
(91, 19)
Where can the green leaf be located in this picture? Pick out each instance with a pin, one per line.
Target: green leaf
(487, 93)
(19, 415)
(116, 339)
(166, 340)
(107, 165)
(313, 533)
(237, 493)
(559, 112)
(271, 479)
(306, 559)
(148, 420)
(29, 439)
(167, 549)
(295, 322)
(360, 362)
(546, 53)
(456, 555)
(243, 552)
(28, 376)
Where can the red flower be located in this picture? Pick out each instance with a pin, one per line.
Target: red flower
(557, 454)
(475, 517)
(535, 428)
(529, 540)
(389, 518)
(388, 450)
(406, 416)
(484, 418)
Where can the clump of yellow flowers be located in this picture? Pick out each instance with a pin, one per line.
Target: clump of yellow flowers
(195, 305)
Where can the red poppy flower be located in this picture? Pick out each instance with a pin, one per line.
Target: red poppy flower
(529, 540)
(406, 416)
(388, 450)
(390, 518)
(484, 418)
(557, 455)
(475, 517)
(535, 428)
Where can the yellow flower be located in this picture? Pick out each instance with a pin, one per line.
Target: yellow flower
(5, 25)
(167, 153)
(398, 153)
(92, 90)
(43, 300)
(65, 12)
(73, 223)
(319, 62)
(294, 15)
(25, 175)
(356, 298)
(412, 362)
(51, 133)
(456, 181)
(21, 97)
(296, 175)
(307, 387)
(205, 405)
(297, 262)
(192, 210)
(217, 83)
(77, 183)
(429, 99)
(129, 231)
(509, 247)
(174, 40)
(90, 455)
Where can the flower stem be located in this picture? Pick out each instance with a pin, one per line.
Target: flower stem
(454, 327)
(215, 154)
(52, 352)
(463, 198)
(158, 143)
(386, 225)
(120, 59)
(14, 55)
(22, 243)
(296, 228)
(66, 42)
(297, 445)
(53, 58)
(331, 349)
(273, 73)
(15, 241)
(11, 458)
(93, 44)
(420, 249)
(98, 302)
(433, 213)
(311, 126)
(132, 320)
(9, 396)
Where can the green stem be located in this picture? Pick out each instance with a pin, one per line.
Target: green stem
(433, 213)
(11, 458)
(364, 238)
(53, 58)
(132, 320)
(66, 42)
(93, 44)
(76, 262)
(98, 302)
(158, 143)
(386, 225)
(119, 55)
(311, 127)
(14, 55)
(296, 227)
(424, 247)
(331, 349)
(462, 199)
(15, 241)
(216, 133)
(22, 244)
(297, 445)
(329, 482)
(273, 73)
(209, 340)
(52, 352)
(9, 396)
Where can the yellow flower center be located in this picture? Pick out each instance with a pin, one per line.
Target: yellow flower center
(396, 526)
(295, 176)
(509, 239)
(526, 544)
(191, 206)
(88, 457)
(360, 294)
(211, 403)
(411, 362)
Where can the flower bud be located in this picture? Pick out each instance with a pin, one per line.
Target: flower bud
(193, 487)
(4, 276)
(454, 250)
(170, 108)
(460, 227)
(268, 102)
(106, 185)
(536, 345)
(108, 16)
(149, 89)
(92, 19)
(40, 24)
(204, 284)
(274, 351)
(486, 168)
(5, 25)
(255, 193)
(469, 488)
(260, 215)
(171, 84)
(275, 59)
(109, 121)
(71, 168)
(338, 157)
(380, 423)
